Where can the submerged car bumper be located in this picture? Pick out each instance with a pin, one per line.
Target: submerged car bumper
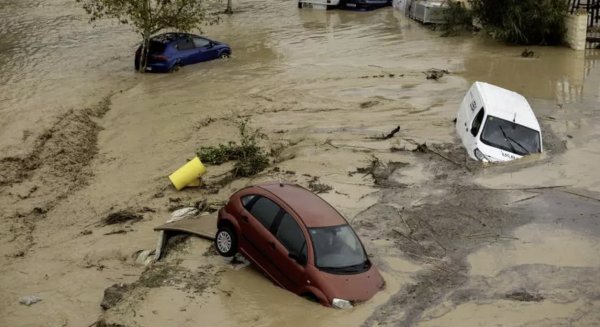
(158, 67)
(491, 154)
(351, 288)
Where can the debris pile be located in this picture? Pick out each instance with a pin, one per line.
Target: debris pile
(317, 187)
(120, 217)
(524, 296)
(29, 300)
(113, 295)
(435, 73)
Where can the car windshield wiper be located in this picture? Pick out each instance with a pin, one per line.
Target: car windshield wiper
(513, 141)
(354, 268)
(520, 145)
(333, 269)
(343, 269)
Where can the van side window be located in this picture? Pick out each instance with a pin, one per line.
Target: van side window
(265, 211)
(476, 125)
(290, 234)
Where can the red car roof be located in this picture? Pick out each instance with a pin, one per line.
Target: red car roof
(309, 207)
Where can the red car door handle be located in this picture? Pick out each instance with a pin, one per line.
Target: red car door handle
(272, 244)
(245, 219)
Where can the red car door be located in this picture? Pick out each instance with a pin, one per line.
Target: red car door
(256, 222)
(290, 251)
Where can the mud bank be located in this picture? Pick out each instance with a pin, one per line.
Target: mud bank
(56, 166)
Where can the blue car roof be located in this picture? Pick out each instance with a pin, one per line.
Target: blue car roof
(169, 37)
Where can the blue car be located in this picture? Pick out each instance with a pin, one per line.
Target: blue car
(169, 51)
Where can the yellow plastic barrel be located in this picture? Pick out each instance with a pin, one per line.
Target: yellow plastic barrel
(188, 174)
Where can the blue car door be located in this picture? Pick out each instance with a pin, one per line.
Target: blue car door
(186, 50)
(205, 49)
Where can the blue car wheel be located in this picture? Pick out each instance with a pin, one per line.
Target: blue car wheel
(175, 67)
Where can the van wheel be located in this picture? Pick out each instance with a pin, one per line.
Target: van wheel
(226, 241)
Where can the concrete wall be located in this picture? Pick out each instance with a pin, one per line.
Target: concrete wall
(576, 30)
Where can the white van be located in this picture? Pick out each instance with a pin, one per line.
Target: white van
(318, 4)
(427, 11)
(496, 124)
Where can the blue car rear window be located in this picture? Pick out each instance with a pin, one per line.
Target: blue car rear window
(157, 47)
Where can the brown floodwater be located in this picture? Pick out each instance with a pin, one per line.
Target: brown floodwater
(303, 75)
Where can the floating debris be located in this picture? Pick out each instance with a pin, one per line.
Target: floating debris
(317, 187)
(524, 296)
(389, 135)
(113, 295)
(122, 216)
(369, 104)
(30, 299)
(527, 53)
(435, 73)
(183, 213)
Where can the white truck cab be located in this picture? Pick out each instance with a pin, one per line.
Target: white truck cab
(496, 124)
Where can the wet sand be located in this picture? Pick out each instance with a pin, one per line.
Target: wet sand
(453, 239)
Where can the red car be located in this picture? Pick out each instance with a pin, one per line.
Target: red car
(300, 242)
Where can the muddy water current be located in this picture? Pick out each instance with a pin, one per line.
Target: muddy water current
(322, 83)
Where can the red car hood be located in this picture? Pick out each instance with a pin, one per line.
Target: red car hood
(356, 287)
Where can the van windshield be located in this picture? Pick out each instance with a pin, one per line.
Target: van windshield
(338, 250)
(510, 136)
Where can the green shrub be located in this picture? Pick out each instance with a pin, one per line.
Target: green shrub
(458, 18)
(250, 157)
(523, 21)
(216, 155)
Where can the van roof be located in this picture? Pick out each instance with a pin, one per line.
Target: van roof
(309, 207)
(507, 105)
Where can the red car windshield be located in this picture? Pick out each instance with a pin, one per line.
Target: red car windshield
(337, 249)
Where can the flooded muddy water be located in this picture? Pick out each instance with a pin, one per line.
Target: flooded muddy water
(537, 244)
(451, 239)
(520, 315)
(51, 60)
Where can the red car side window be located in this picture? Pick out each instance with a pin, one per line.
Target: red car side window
(265, 211)
(247, 201)
(290, 234)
